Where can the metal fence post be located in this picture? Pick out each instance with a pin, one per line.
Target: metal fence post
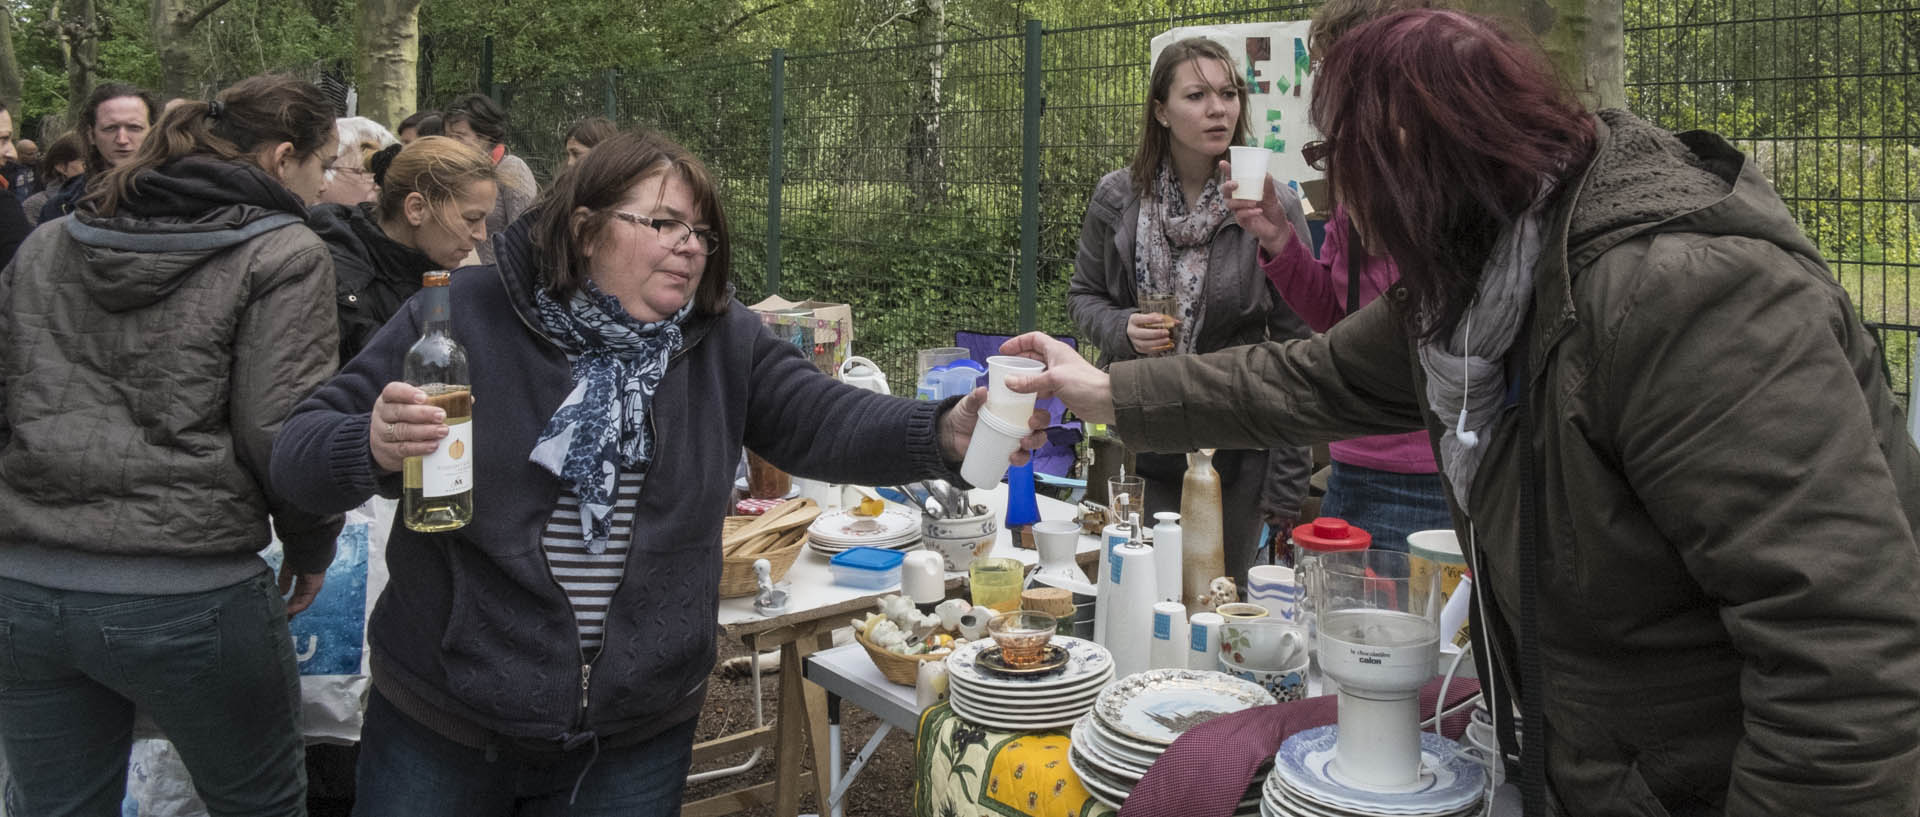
(776, 114)
(608, 78)
(1032, 102)
(486, 68)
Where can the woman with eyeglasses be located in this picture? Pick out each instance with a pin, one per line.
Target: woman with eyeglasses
(551, 656)
(431, 211)
(1162, 226)
(350, 182)
(1387, 484)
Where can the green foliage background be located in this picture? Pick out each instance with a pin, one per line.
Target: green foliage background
(1822, 93)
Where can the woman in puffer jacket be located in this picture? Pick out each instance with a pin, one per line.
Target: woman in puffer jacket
(150, 347)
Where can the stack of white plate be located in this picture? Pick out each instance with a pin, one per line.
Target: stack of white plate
(895, 528)
(1304, 782)
(1025, 703)
(1137, 718)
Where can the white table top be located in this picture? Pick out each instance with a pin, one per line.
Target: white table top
(847, 671)
(815, 593)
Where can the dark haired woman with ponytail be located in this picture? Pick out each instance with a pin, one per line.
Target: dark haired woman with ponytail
(150, 347)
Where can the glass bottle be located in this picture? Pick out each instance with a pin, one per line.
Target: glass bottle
(437, 489)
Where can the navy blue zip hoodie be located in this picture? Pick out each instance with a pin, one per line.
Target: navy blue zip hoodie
(473, 637)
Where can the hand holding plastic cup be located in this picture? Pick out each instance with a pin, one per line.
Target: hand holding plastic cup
(1249, 171)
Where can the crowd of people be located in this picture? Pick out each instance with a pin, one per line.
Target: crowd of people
(1702, 591)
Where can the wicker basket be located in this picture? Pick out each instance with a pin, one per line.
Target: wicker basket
(736, 572)
(900, 669)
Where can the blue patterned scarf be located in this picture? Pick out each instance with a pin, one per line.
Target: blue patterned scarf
(601, 427)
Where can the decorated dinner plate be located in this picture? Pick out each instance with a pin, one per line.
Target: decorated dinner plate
(1086, 662)
(1023, 708)
(1093, 781)
(1159, 705)
(1012, 721)
(1098, 753)
(1449, 782)
(1118, 746)
(842, 528)
(1038, 695)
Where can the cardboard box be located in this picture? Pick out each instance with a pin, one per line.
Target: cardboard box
(823, 330)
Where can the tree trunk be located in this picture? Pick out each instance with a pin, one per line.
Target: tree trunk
(1583, 38)
(171, 30)
(10, 74)
(387, 48)
(926, 165)
(79, 40)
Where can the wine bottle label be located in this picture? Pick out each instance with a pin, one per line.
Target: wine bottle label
(449, 469)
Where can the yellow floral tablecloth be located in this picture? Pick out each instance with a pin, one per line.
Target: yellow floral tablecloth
(965, 770)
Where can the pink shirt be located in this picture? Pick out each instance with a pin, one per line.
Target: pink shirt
(1317, 290)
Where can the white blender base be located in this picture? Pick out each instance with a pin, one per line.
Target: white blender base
(1378, 743)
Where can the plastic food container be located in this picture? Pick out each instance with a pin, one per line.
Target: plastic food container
(867, 567)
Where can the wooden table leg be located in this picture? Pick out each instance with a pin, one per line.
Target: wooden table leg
(789, 746)
(818, 727)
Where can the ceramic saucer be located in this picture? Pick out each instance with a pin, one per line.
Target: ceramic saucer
(1450, 781)
(1052, 660)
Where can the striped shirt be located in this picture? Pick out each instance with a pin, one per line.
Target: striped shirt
(588, 578)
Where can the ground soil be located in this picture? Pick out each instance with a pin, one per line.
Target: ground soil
(883, 789)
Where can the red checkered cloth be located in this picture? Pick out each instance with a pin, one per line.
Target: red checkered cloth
(755, 507)
(1207, 770)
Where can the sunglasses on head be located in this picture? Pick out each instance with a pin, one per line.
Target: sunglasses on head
(1315, 153)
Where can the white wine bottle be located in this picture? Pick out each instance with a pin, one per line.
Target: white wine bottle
(437, 489)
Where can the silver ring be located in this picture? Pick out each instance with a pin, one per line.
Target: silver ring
(392, 437)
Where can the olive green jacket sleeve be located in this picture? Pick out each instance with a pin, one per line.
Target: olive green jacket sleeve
(1356, 380)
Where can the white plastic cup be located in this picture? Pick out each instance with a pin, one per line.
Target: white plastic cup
(1006, 403)
(1203, 640)
(1249, 171)
(994, 441)
(1170, 639)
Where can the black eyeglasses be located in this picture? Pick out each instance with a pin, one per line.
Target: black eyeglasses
(1315, 154)
(673, 232)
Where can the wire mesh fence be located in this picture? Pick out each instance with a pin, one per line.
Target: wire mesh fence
(1822, 95)
(895, 181)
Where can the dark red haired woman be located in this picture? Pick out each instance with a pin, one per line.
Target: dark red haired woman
(1710, 544)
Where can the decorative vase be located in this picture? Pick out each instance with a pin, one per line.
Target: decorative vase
(1202, 546)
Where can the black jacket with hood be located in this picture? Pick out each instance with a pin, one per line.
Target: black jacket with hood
(373, 275)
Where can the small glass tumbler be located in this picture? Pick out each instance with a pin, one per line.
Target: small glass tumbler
(1022, 636)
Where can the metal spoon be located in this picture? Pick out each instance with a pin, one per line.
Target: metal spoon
(950, 496)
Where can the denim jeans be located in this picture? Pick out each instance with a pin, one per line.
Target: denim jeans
(1385, 504)
(408, 770)
(214, 670)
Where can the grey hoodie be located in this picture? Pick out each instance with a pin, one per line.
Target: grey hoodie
(146, 362)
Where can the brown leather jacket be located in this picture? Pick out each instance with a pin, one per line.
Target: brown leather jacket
(1730, 599)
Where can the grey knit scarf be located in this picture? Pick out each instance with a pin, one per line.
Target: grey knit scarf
(1466, 373)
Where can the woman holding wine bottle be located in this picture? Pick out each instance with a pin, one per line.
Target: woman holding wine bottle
(150, 346)
(554, 648)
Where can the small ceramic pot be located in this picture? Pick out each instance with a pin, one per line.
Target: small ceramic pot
(1288, 684)
(959, 541)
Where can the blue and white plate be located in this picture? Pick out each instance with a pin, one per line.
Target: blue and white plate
(1450, 782)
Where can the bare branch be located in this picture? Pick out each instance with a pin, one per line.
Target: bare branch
(202, 14)
(738, 21)
(898, 16)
